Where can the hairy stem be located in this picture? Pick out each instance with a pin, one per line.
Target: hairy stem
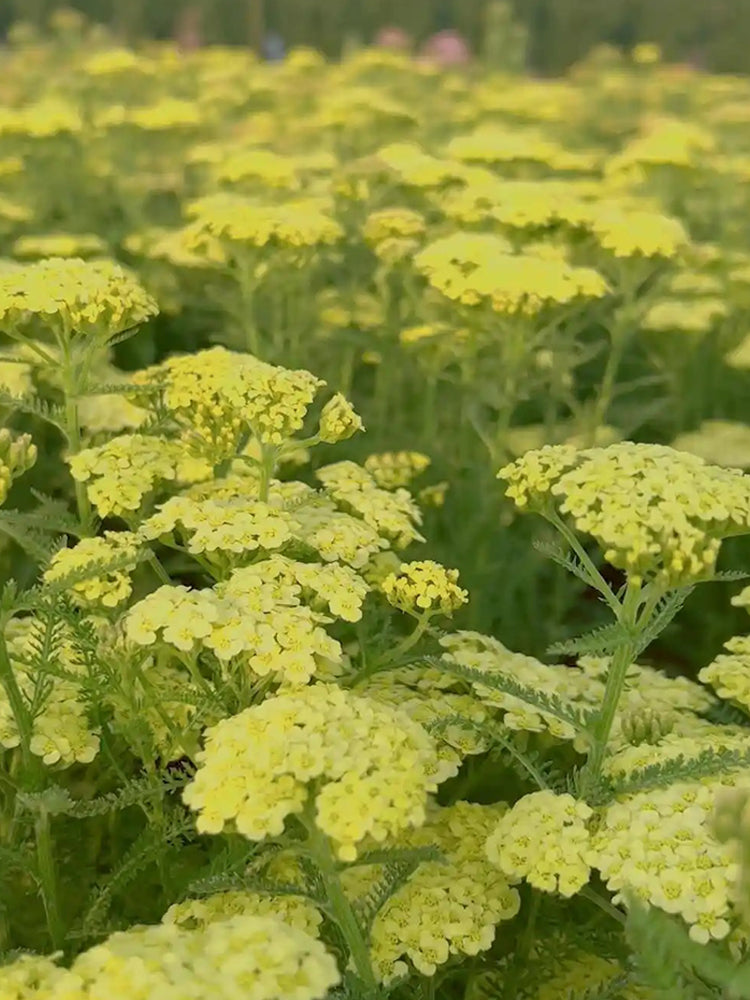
(48, 879)
(621, 662)
(341, 909)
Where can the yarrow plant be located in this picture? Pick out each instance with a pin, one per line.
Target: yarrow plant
(260, 731)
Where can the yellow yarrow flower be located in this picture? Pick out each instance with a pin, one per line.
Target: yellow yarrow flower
(424, 587)
(372, 767)
(544, 839)
(394, 469)
(654, 511)
(475, 268)
(260, 957)
(222, 397)
(339, 421)
(73, 297)
(107, 587)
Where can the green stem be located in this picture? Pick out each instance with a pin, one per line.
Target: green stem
(596, 578)
(157, 567)
(410, 641)
(341, 908)
(266, 470)
(621, 662)
(21, 714)
(604, 904)
(73, 434)
(604, 399)
(521, 957)
(48, 879)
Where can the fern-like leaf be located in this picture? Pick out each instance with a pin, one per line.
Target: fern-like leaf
(28, 534)
(674, 966)
(95, 568)
(599, 642)
(707, 763)
(147, 849)
(395, 875)
(541, 700)
(568, 561)
(51, 413)
(667, 608)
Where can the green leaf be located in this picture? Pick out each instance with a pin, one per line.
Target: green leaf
(707, 763)
(667, 608)
(396, 873)
(148, 848)
(578, 718)
(599, 642)
(568, 560)
(51, 413)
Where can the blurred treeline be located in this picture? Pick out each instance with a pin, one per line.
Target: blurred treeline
(712, 33)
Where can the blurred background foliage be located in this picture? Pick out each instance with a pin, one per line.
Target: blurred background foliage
(714, 34)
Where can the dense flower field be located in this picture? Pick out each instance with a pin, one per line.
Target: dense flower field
(372, 477)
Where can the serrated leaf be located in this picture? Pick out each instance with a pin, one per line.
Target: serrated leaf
(567, 560)
(599, 642)
(707, 763)
(36, 406)
(552, 704)
(666, 610)
(147, 848)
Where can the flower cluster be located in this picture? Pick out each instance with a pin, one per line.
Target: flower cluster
(394, 515)
(394, 469)
(294, 911)
(654, 511)
(123, 473)
(219, 397)
(262, 957)
(338, 421)
(659, 845)
(544, 839)
(17, 455)
(241, 220)
(473, 268)
(73, 297)
(371, 768)
(449, 907)
(98, 568)
(424, 587)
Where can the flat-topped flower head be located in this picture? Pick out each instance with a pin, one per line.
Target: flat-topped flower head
(393, 470)
(81, 245)
(659, 845)
(260, 958)
(424, 587)
(392, 513)
(236, 219)
(221, 397)
(371, 766)
(450, 907)
(121, 475)
(654, 511)
(72, 297)
(729, 673)
(477, 268)
(110, 559)
(544, 838)
(637, 233)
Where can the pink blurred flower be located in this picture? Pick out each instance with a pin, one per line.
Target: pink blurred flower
(392, 37)
(448, 48)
